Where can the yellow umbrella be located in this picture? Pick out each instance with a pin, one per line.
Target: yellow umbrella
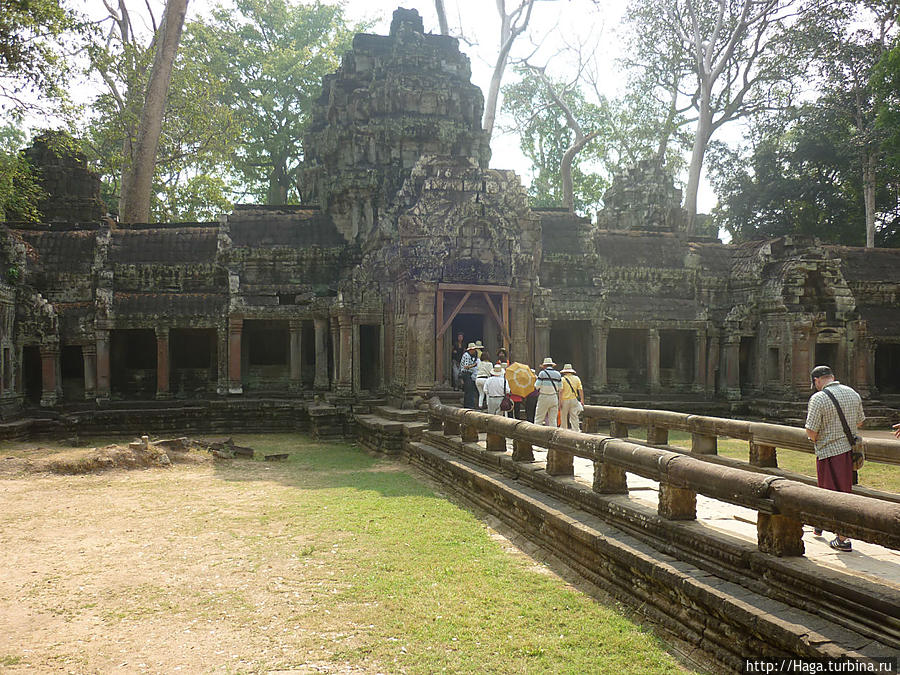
(521, 379)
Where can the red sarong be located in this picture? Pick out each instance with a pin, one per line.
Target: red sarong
(835, 473)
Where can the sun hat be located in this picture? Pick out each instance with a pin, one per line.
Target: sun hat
(496, 370)
(472, 345)
(567, 368)
(548, 362)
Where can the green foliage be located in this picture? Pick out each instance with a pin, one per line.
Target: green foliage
(801, 176)
(19, 189)
(199, 132)
(271, 56)
(33, 52)
(885, 83)
(544, 137)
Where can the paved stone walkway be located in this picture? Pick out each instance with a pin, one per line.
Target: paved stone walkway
(875, 563)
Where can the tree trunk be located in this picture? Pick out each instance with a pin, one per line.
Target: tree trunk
(701, 141)
(137, 183)
(278, 186)
(442, 17)
(869, 164)
(565, 169)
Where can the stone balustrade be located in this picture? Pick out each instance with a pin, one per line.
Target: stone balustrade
(763, 438)
(782, 505)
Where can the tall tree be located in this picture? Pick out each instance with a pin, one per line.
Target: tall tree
(137, 180)
(272, 55)
(19, 189)
(562, 134)
(742, 63)
(851, 39)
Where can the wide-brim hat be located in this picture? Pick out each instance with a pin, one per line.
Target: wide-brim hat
(472, 345)
(567, 368)
(496, 370)
(548, 362)
(478, 344)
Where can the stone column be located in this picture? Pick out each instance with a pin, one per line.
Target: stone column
(599, 337)
(235, 333)
(89, 356)
(222, 360)
(541, 341)
(103, 377)
(653, 360)
(700, 361)
(732, 367)
(296, 328)
(321, 381)
(162, 363)
(519, 311)
(49, 367)
(345, 354)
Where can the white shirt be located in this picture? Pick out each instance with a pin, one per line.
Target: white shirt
(496, 385)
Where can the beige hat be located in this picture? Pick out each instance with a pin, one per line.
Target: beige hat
(548, 362)
(496, 370)
(478, 344)
(567, 368)
(472, 345)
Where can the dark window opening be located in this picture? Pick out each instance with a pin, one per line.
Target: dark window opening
(748, 358)
(626, 359)
(7, 369)
(826, 355)
(887, 368)
(267, 345)
(192, 348)
(136, 348)
(31, 373)
(773, 370)
(71, 368)
(570, 342)
(369, 357)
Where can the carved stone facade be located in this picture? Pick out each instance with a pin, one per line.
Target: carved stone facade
(411, 239)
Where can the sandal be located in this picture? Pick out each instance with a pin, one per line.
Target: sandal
(839, 545)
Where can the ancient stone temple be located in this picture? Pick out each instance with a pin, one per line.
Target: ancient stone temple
(406, 238)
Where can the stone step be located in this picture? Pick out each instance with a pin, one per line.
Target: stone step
(399, 414)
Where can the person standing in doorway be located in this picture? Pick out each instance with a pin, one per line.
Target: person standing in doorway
(834, 463)
(547, 385)
(570, 394)
(467, 375)
(459, 348)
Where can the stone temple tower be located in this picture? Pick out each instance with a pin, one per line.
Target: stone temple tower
(395, 98)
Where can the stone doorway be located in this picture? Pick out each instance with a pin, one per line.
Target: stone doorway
(677, 362)
(194, 359)
(479, 312)
(626, 358)
(827, 354)
(570, 342)
(31, 373)
(748, 364)
(887, 368)
(132, 359)
(369, 357)
(266, 347)
(71, 368)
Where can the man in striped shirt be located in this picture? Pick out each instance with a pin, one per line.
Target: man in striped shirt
(834, 464)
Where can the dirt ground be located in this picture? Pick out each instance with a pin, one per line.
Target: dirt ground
(129, 571)
(187, 567)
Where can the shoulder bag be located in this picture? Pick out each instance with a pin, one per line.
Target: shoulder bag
(857, 445)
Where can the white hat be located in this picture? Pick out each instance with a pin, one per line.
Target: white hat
(496, 370)
(548, 362)
(567, 368)
(471, 346)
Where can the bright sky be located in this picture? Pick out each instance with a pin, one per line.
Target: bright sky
(553, 24)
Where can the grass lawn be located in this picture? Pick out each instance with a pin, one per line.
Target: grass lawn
(877, 476)
(332, 561)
